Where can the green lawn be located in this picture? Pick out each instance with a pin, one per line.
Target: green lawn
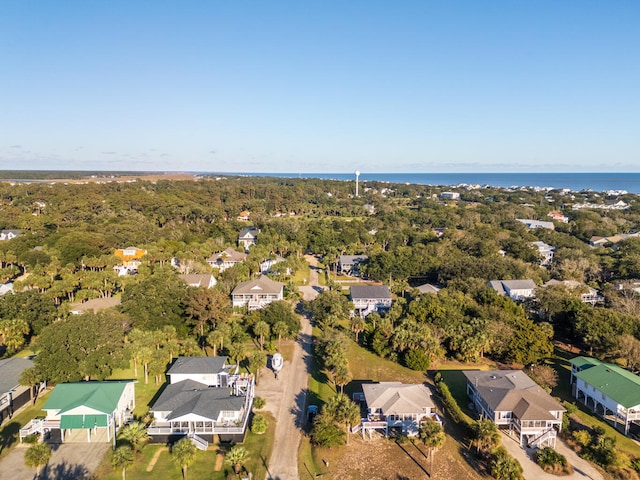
(145, 393)
(259, 447)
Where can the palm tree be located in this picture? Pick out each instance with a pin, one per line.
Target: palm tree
(485, 434)
(184, 453)
(341, 375)
(30, 378)
(135, 433)
(236, 351)
(504, 467)
(236, 457)
(37, 455)
(122, 457)
(261, 329)
(357, 325)
(343, 411)
(215, 338)
(432, 435)
(280, 329)
(258, 360)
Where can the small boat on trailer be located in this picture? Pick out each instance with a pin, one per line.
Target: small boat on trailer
(276, 363)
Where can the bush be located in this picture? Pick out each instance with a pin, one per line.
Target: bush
(504, 466)
(259, 424)
(552, 462)
(327, 434)
(258, 403)
(417, 360)
(453, 408)
(33, 438)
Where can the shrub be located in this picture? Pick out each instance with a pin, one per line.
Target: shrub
(552, 462)
(582, 438)
(454, 409)
(33, 438)
(417, 360)
(258, 403)
(327, 434)
(259, 424)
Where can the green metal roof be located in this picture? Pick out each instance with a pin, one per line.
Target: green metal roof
(100, 396)
(615, 382)
(581, 362)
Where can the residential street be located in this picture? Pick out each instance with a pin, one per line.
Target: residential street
(286, 397)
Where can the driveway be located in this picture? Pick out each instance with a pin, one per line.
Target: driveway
(286, 397)
(69, 461)
(581, 468)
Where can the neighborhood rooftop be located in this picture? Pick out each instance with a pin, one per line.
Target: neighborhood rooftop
(370, 291)
(613, 381)
(198, 365)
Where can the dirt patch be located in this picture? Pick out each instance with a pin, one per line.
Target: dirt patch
(384, 459)
(154, 460)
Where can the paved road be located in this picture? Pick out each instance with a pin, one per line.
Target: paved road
(582, 470)
(70, 461)
(286, 397)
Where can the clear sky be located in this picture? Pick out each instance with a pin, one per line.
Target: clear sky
(320, 86)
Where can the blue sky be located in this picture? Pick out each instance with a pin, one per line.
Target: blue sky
(320, 86)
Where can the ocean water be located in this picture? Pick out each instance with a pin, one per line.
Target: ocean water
(598, 182)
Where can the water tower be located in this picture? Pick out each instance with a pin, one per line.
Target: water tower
(357, 175)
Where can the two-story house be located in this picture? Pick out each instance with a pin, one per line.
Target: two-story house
(247, 237)
(205, 397)
(226, 259)
(370, 298)
(349, 264)
(607, 389)
(256, 294)
(396, 405)
(514, 402)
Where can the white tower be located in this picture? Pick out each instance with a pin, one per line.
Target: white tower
(357, 175)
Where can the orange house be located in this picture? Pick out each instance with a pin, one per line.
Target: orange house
(130, 256)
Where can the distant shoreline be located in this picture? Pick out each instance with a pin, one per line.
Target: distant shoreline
(618, 182)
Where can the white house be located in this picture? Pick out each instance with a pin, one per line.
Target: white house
(226, 259)
(205, 397)
(450, 195)
(370, 298)
(545, 251)
(248, 237)
(349, 264)
(9, 234)
(396, 405)
(210, 371)
(588, 294)
(199, 280)
(515, 289)
(13, 395)
(93, 407)
(607, 389)
(536, 223)
(256, 294)
(513, 401)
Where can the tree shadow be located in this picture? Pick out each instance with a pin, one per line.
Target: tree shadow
(65, 471)
(406, 452)
(9, 435)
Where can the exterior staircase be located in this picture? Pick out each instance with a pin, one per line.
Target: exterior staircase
(199, 442)
(543, 437)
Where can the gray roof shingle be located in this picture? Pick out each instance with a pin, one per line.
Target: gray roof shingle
(10, 370)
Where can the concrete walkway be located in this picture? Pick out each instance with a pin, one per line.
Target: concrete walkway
(581, 468)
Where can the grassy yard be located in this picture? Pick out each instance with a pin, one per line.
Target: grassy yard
(145, 393)
(10, 431)
(259, 447)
